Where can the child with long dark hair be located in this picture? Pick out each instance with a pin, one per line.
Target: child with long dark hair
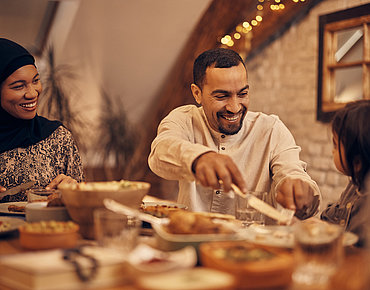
(351, 154)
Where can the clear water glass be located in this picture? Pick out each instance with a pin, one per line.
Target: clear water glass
(318, 251)
(247, 214)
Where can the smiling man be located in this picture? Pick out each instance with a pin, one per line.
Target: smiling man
(220, 140)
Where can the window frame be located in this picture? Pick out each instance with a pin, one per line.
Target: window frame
(329, 24)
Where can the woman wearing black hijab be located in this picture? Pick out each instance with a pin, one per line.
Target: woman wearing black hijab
(31, 147)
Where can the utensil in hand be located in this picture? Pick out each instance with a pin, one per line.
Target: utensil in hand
(120, 208)
(247, 214)
(283, 216)
(17, 189)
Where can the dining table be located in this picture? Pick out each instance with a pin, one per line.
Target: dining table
(353, 274)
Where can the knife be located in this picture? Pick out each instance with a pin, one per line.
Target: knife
(17, 189)
(283, 216)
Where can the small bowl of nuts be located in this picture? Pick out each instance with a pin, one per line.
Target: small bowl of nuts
(48, 235)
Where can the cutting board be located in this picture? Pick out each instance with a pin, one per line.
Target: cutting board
(48, 270)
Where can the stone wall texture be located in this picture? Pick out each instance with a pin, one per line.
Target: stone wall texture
(283, 81)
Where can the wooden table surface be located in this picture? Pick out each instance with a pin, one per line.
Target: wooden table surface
(353, 275)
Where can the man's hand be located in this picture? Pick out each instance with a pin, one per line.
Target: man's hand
(295, 194)
(60, 179)
(211, 167)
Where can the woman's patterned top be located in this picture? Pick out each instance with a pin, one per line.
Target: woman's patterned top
(42, 162)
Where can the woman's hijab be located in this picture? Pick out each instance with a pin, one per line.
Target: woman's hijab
(16, 132)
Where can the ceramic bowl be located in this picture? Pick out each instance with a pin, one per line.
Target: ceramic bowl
(48, 235)
(253, 266)
(82, 199)
(38, 211)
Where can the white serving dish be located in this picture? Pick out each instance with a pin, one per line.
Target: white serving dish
(170, 242)
(38, 211)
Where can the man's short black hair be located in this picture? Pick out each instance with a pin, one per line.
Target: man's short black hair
(219, 58)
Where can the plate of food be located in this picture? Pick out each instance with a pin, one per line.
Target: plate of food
(192, 228)
(9, 224)
(161, 209)
(16, 208)
(257, 266)
(282, 236)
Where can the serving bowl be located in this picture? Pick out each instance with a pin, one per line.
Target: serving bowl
(39, 211)
(254, 266)
(83, 198)
(48, 235)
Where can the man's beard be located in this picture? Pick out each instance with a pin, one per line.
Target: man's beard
(231, 129)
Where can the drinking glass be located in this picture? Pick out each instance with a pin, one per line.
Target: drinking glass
(247, 214)
(318, 252)
(115, 230)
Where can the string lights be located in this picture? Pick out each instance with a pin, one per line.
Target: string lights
(244, 29)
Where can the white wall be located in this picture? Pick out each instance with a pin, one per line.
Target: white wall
(125, 47)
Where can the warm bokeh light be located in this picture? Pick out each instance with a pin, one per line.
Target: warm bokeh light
(246, 30)
(237, 35)
(246, 24)
(230, 43)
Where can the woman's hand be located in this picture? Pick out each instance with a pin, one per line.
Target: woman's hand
(60, 179)
(2, 188)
